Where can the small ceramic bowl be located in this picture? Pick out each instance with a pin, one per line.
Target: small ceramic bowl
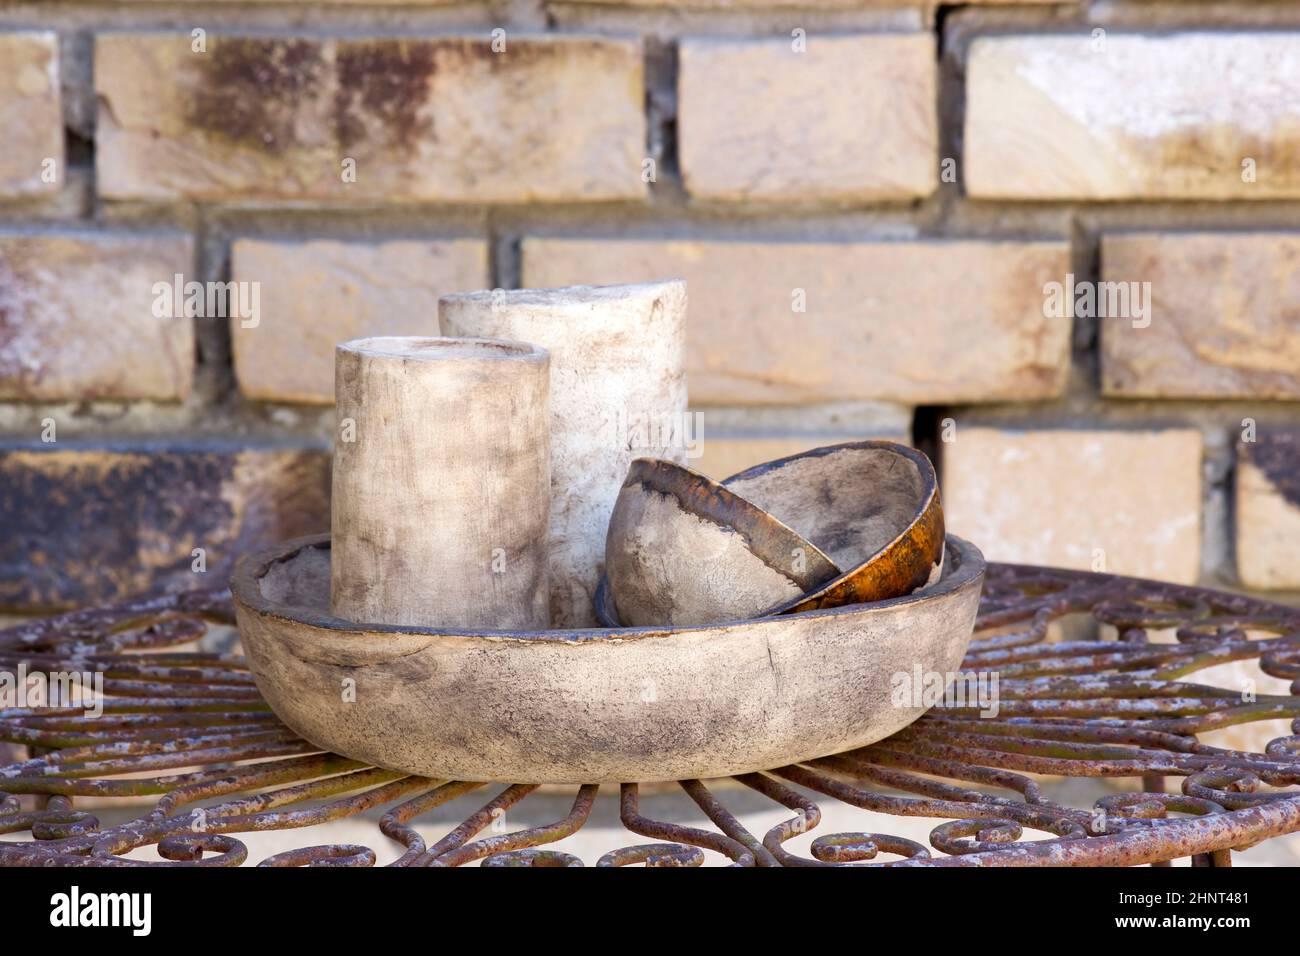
(683, 550)
(873, 506)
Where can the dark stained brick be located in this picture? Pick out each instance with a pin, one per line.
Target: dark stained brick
(88, 523)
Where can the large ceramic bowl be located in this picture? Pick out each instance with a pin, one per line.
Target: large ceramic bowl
(598, 705)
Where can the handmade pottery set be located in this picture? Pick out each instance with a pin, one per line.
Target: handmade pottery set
(491, 509)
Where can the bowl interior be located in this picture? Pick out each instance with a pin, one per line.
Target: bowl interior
(850, 501)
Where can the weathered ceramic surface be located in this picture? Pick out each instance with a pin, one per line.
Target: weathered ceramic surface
(683, 550)
(600, 705)
(618, 388)
(440, 502)
(873, 506)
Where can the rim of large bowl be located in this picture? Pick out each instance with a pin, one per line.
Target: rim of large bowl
(245, 585)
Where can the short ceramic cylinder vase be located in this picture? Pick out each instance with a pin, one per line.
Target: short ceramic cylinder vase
(618, 392)
(441, 483)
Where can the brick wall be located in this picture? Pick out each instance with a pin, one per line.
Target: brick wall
(871, 202)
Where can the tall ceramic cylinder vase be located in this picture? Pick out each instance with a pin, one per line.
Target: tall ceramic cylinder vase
(618, 392)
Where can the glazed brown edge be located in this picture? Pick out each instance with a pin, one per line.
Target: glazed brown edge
(913, 551)
(245, 587)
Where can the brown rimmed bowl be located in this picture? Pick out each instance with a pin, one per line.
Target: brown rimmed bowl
(597, 705)
(873, 506)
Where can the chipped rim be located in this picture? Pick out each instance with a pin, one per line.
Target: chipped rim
(429, 349)
(964, 567)
(569, 296)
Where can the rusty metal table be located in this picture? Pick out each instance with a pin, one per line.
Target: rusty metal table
(192, 730)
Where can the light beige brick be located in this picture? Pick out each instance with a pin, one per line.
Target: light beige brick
(443, 119)
(849, 118)
(1131, 116)
(724, 456)
(77, 317)
(915, 322)
(1268, 511)
(1223, 322)
(317, 294)
(1122, 502)
(30, 114)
